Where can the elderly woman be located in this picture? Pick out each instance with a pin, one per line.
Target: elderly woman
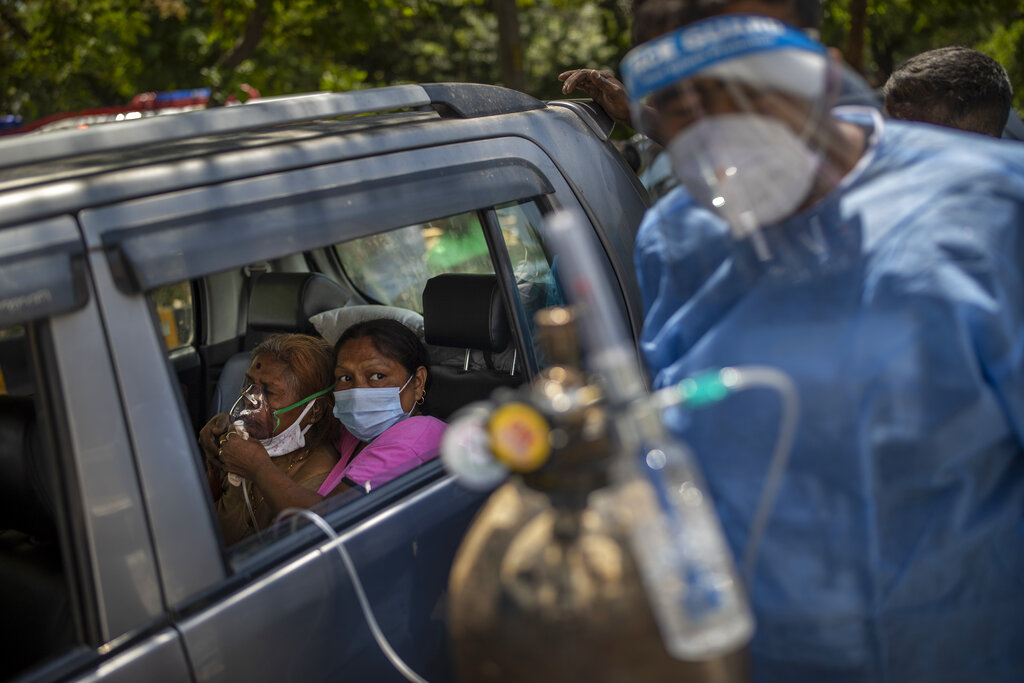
(286, 414)
(380, 378)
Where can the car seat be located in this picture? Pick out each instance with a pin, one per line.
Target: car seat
(37, 619)
(278, 302)
(464, 311)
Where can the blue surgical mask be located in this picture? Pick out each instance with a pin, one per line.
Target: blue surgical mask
(367, 412)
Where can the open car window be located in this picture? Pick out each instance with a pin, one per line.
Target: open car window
(390, 268)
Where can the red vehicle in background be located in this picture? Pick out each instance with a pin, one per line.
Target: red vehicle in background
(142, 105)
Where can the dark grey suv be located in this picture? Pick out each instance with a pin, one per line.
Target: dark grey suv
(142, 260)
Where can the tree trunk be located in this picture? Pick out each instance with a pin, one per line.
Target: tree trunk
(243, 48)
(10, 17)
(855, 44)
(510, 45)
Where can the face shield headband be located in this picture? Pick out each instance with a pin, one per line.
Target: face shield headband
(732, 47)
(738, 100)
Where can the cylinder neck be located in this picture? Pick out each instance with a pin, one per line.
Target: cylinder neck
(581, 435)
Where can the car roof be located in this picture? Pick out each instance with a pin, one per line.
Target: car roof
(45, 174)
(463, 100)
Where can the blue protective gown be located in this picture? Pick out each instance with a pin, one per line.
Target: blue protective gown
(895, 551)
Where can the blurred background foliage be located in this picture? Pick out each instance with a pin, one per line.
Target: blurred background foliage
(68, 55)
(895, 30)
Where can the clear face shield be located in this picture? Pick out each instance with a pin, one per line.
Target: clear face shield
(741, 104)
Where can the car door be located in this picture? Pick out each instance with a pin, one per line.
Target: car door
(285, 606)
(80, 577)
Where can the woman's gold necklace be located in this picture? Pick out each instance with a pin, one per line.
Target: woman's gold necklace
(256, 496)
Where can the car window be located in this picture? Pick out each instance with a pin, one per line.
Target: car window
(274, 307)
(176, 314)
(392, 268)
(36, 602)
(521, 225)
(389, 268)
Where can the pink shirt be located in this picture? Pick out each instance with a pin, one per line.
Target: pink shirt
(411, 442)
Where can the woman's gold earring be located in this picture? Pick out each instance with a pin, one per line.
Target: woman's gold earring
(419, 401)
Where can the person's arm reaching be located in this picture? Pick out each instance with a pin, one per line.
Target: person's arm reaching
(606, 90)
(609, 93)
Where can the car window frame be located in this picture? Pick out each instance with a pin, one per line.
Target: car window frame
(123, 308)
(514, 308)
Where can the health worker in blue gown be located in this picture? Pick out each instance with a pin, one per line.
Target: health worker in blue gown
(879, 264)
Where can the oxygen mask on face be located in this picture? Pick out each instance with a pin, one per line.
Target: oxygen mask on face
(254, 412)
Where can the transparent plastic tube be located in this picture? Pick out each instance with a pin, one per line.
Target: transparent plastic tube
(687, 566)
(714, 386)
(248, 503)
(357, 586)
(238, 480)
(683, 558)
(239, 427)
(610, 350)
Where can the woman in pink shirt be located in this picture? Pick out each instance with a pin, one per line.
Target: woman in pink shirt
(380, 378)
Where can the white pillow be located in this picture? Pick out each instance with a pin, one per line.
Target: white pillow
(332, 324)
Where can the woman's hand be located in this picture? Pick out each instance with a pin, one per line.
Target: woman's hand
(242, 457)
(210, 434)
(249, 459)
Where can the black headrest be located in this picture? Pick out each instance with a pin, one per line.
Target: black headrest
(283, 302)
(24, 494)
(465, 311)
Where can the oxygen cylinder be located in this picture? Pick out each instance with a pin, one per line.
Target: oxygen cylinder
(545, 586)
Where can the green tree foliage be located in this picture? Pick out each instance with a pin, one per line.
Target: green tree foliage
(67, 55)
(896, 30)
(57, 51)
